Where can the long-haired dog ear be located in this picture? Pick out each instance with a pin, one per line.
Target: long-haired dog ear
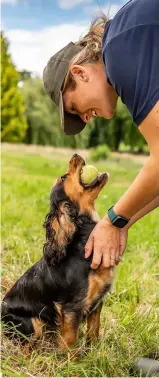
(48, 248)
(60, 227)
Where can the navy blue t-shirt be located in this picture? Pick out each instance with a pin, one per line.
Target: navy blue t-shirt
(130, 51)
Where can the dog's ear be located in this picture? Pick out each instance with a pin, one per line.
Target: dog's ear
(48, 248)
(60, 227)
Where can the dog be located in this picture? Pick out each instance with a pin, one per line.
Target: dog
(61, 289)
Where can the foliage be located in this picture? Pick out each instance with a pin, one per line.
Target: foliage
(13, 117)
(100, 152)
(116, 130)
(24, 75)
(133, 138)
(43, 119)
(129, 321)
(44, 124)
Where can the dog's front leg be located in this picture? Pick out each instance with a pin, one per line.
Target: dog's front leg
(69, 329)
(93, 324)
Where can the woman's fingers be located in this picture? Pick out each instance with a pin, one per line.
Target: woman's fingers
(123, 240)
(104, 241)
(117, 255)
(113, 251)
(97, 257)
(113, 259)
(106, 262)
(89, 246)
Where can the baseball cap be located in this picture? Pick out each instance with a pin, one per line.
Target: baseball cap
(53, 76)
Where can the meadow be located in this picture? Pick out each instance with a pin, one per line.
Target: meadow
(130, 316)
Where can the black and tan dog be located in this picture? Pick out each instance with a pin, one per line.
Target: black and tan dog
(61, 289)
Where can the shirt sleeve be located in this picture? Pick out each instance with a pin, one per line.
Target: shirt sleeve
(132, 67)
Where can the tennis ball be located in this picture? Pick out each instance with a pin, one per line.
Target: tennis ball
(89, 174)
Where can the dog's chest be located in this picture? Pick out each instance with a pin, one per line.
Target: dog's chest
(99, 283)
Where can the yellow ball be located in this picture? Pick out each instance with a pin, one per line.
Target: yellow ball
(89, 174)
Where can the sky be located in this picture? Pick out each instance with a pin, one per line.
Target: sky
(37, 29)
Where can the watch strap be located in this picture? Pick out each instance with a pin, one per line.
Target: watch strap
(112, 216)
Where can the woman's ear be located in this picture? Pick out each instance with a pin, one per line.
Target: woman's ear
(59, 232)
(80, 72)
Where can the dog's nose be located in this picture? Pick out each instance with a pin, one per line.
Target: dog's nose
(76, 162)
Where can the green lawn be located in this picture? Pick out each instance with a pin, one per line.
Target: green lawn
(130, 323)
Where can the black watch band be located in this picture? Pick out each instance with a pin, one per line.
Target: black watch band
(117, 220)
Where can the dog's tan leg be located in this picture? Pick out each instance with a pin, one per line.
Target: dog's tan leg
(38, 327)
(69, 329)
(93, 324)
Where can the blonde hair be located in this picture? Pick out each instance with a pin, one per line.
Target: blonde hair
(91, 52)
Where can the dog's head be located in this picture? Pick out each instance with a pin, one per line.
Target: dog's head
(68, 199)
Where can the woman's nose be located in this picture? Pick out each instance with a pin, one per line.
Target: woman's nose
(85, 117)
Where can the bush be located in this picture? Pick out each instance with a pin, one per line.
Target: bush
(43, 119)
(13, 118)
(101, 152)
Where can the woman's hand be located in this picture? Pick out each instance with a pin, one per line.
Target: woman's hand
(108, 243)
(123, 240)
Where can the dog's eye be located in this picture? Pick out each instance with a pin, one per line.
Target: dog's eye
(63, 177)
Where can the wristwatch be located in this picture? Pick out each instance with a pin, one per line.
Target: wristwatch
(117, 220)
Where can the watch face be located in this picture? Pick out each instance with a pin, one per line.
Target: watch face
(120, 222)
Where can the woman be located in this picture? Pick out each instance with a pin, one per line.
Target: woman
(116, 58)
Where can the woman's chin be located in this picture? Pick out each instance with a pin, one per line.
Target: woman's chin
(108, 114)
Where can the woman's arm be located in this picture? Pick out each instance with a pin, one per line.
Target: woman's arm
(105, 238)
(151, 206)
(145, 188)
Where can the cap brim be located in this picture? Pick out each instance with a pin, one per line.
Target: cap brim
(71, 124)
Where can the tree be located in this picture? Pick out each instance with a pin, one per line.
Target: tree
(109, 131)
(13, 117)
(42, 115)
(133, 138)
(25, 75)
(116, 130)
(44, 121)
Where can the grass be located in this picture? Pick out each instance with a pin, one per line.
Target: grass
(129, 324)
